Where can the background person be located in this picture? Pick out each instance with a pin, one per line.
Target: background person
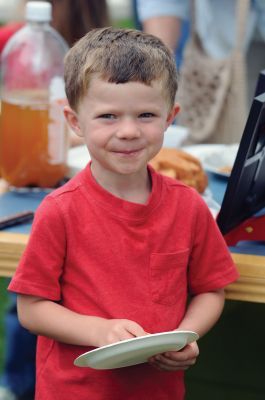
(215, 26)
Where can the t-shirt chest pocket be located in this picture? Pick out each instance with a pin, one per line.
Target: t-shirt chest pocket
(168, 276)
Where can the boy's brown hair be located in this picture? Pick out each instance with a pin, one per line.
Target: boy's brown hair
(119, 56)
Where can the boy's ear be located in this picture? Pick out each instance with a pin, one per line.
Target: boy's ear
(72, 120)
(172, 114)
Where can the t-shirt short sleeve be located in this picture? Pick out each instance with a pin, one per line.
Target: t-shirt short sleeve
(41, 265)
(211, 266)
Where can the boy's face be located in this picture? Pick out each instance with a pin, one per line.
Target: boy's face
(122, 124)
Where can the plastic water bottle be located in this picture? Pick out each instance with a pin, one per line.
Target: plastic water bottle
(33, 132)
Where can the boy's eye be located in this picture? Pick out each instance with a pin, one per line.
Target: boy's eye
(107, 116)
(147, 115)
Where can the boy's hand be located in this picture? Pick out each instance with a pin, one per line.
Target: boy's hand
(114, 330)
(176, 360)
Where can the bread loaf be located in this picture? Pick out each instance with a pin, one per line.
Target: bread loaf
(182, 166)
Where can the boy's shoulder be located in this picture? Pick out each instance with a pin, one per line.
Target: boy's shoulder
(178, 192)
(177, 185)
(69, 189)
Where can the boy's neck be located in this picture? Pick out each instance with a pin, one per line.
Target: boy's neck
(135, 189)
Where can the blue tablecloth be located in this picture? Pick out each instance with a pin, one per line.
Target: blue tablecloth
(14, 202)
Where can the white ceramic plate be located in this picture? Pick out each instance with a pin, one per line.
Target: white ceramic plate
(78, 156)
(135, 351)
(215, 158)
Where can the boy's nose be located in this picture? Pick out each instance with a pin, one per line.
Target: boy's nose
(128, 130)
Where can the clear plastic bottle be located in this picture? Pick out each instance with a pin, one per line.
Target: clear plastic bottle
(33, 132)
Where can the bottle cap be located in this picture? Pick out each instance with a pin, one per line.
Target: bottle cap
(38, 11)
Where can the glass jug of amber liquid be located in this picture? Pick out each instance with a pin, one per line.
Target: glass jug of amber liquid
(33, 133)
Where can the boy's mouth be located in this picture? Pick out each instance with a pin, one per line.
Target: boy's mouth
(128, 152)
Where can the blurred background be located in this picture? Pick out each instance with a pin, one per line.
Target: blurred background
(120, 11)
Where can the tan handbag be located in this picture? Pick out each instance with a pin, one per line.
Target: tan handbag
(212, 92)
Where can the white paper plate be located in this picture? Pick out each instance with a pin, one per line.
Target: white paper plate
(215, 158)
(135, 351)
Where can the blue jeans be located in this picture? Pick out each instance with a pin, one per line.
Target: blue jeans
(19, 363)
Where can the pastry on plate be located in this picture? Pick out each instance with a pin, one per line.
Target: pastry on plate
(182, 166)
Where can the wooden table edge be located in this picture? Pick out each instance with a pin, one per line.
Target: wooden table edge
(249, 287)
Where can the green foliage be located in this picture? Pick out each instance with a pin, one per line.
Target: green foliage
(3, 307)
(124, 23)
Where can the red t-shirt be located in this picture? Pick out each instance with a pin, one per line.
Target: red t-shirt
(100, 255)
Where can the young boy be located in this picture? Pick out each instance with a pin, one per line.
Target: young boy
(115, 252)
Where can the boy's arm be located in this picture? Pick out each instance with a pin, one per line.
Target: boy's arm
(202, 313)
(47, 318)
